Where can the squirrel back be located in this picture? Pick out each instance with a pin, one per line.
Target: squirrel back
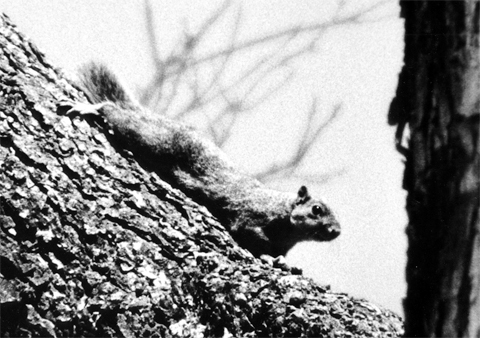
(262, 220)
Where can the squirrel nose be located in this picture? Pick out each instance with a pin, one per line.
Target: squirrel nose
(334, 231)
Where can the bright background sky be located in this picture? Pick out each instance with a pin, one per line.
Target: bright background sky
(356, 65)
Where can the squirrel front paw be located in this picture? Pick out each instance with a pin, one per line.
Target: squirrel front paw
(281, 263)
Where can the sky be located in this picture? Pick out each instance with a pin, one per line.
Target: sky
(355, 65)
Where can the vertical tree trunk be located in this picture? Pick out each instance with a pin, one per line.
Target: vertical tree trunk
(438, 96)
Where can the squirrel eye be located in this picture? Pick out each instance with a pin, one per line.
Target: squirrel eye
(317, 210)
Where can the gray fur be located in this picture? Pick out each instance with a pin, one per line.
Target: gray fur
(262, 220)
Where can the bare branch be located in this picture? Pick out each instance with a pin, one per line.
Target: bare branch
(151, 33)
(310, 135)
(202, 97)
(188, 83)
(213, 19)
(337, 20)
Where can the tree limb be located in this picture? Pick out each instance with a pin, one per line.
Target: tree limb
(94, 245)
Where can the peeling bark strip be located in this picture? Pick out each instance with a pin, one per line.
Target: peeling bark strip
(93, 245)
(439, 97)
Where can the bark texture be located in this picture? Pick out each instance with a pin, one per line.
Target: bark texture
(91, 244)
(439, 97)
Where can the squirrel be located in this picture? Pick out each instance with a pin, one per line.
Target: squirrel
(261, 220)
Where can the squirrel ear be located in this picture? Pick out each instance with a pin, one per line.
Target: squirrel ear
(303, 195)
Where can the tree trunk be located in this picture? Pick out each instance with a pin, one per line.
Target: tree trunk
(91, 244)
(438, 96)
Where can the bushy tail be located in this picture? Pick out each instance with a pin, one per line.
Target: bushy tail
(100, 85)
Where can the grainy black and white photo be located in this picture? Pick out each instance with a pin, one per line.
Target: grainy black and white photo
(240, 168)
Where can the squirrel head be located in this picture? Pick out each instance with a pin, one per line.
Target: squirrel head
(313, 219)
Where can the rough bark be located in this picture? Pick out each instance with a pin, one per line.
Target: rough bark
(439, 97)
(94, 245)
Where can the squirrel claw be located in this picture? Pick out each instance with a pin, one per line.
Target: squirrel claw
(81, 108)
